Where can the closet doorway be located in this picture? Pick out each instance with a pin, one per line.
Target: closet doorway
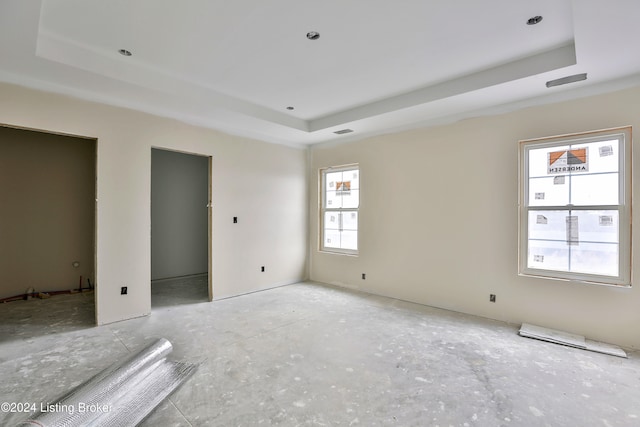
(180, 228)
(48, 225)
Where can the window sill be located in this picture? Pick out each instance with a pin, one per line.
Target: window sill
(577, 281)
(325, 251)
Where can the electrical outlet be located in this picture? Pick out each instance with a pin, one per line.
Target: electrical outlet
(235, 219)
(123, 290)
(262, 269)
(492, 298)
(364, 276)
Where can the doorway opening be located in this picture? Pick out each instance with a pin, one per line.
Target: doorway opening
(47, 225)
(180, 228)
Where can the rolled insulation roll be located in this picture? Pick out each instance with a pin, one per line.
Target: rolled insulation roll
(124, 394)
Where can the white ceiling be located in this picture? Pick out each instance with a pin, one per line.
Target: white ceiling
(378, 66)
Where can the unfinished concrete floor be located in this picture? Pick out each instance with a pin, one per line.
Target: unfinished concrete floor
(178, 291)
(312, 355)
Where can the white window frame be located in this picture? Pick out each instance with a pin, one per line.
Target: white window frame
(324, 208)
(624, 136)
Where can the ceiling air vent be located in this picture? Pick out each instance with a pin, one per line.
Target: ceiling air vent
(343, 131)
(568, 79)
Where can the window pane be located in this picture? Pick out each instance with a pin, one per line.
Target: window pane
(568, 161)
(548, 255)
(601, 189)
(539, 158)
(350, 240)
(595, 258)
(350, 220)
(548, 225)
(354, 177)
(549, 191)
(603, 155)
(331, 221)
(332, 200)
(597, 226)
(332, 179)
(350, 199)
(331, 238)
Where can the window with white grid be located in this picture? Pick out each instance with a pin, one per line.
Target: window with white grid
(575, 207)
(340, 201)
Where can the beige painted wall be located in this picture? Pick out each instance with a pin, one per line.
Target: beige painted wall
(265, 185)
(47, 199)
(439, 220)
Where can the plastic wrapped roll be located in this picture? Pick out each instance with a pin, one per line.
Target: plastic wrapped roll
(123, 394)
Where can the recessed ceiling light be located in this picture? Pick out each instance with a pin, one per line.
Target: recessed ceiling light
(534, 20)
(313, 35)
(568, 79)
(125, 52)
(290, 108)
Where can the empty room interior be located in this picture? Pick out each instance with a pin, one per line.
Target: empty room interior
(319, 213)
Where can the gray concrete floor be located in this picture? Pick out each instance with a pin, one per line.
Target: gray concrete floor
(313, 355)
(182, 290)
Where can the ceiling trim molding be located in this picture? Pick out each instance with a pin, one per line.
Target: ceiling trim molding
(127, 69)
(560, 57)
